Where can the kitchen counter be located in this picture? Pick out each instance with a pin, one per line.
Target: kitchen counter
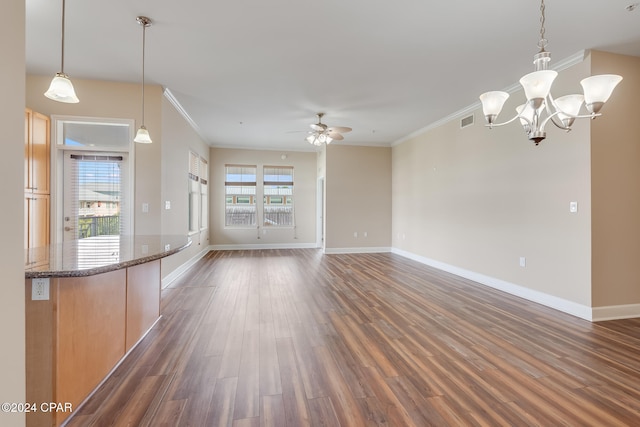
(96, 255)
(88, 303)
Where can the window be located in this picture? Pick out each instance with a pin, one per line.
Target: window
(198, 193)
(194, 192)
(278, 196)
(240, 196)
(204, 194)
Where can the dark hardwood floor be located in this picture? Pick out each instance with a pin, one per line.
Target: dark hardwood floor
(297, 338)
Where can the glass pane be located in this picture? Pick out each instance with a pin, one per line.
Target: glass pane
(95, 134)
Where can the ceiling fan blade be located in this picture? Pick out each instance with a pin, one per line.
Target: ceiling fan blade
(340, 129)
(319, 127)
(335, 135)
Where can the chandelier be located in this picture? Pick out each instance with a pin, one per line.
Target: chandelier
(540, 107)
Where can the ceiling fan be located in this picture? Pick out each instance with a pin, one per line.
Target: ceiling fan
(322, 134)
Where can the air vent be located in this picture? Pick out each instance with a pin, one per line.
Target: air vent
(466, 121)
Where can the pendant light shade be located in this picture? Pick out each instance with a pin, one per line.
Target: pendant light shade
(61, 89)
(142, 136)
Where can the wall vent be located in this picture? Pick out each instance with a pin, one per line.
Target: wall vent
(466, 121)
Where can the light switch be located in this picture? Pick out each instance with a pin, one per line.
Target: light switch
(145, 207)
(167, 204)
(573, 207)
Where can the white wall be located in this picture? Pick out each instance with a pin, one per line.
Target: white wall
(615, 166)
(12, 294)
(357, 198)
(178, 137)
(479, 199)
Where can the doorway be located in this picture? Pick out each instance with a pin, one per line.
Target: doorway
(93, 178)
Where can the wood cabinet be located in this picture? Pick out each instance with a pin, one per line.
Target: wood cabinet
(86, 327)
(36, 208)
(37, 164)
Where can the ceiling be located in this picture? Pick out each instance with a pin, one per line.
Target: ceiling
(253, 74)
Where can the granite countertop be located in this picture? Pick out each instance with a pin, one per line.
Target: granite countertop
(95, 255)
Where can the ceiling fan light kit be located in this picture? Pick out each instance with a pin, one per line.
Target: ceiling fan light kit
(541, 107)
(321, 134)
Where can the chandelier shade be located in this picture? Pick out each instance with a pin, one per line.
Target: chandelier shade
(569, 107)
(541, 107)
(598, 89)
(61, 89)
(537, 85)
(492, 103)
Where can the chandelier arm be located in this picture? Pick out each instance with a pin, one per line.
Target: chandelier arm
(554, 119)
(518, 116)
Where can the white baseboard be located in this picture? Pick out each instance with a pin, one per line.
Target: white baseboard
(251, 246)
(184, 267)
(615, 312)
(566, 306)
(365, 250)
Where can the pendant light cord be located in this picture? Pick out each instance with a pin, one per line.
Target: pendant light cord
(62, 41)
(144, 31)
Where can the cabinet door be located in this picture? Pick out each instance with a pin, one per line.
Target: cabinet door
(40, 153)
(37, 209)
(27, 150)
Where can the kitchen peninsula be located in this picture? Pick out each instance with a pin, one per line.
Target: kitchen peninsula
(88, 302)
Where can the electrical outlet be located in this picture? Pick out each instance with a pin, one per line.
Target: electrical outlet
(40, 289)
(145, 207)
(167, 204)
(167, 247)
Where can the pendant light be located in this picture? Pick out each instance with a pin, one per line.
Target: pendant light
(142, 135)
(61, 89)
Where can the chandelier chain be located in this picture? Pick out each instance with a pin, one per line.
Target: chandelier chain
(542, 43)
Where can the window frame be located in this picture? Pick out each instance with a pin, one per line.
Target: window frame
(286, 199)
(252, 171)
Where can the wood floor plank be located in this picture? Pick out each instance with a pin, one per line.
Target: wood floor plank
(295, 403)
(297, 338)
(247, 402)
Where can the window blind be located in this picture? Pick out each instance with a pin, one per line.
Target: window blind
(95, 195)
(240, 193)
(278, 208)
